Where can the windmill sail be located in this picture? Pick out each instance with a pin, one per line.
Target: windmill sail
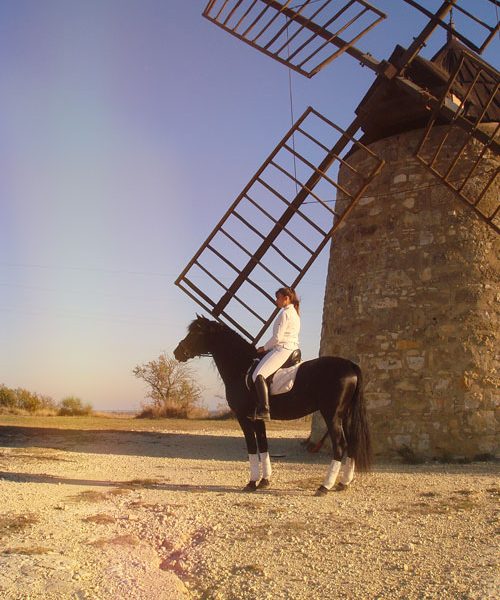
(471, 96)
(306, 36)
(469, 18)
(278, 225)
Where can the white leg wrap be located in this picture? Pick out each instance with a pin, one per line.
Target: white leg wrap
(331, 476)
(347, 472)
(265, 461)
(254, 467)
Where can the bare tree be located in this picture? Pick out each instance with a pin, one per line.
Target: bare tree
(172, 388)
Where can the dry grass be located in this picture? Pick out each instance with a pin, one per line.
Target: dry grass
(137, 483)
(306, 484)
(94, 496)
(10, 524)
(38, 454)
(120, 540)
(247, 570)
(164, 509)
(28, 551)
(89, 496)
(252, 505)
(129, 423)
(100, 518)
(291, 527)
(459, 501)
(119, 491)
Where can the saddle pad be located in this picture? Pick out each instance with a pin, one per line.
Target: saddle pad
(283, 380)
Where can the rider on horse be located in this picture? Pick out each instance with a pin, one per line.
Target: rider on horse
(278, 349)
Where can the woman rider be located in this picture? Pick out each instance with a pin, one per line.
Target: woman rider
(278, 348)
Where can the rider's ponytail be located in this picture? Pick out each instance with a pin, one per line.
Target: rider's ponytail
(291, 293)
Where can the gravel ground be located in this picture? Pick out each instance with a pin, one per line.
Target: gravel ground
(112, 514)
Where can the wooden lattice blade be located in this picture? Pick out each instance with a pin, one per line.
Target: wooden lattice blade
(479, 17)
(278, 225)
(470, 108)
(305, 36)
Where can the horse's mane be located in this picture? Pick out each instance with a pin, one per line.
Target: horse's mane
(227, 336)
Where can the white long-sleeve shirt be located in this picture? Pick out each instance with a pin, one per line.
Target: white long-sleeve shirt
(286, 330)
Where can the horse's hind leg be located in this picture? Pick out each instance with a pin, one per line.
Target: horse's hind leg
(265, 460)
(337, 437)
(346, 473)
(248, 429)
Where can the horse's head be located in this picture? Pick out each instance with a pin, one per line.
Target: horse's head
(197, 341)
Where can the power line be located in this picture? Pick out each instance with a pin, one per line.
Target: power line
(61, 315)
(92, 269)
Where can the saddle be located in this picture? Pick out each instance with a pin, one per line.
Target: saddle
(293, 361)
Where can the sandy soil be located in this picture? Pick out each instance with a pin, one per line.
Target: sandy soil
(118, 514)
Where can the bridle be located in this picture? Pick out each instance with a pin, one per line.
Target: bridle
(188, 353)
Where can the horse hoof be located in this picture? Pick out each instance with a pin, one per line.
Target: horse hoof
(321, 491)
(264, 484)
(251, 486)
(341, 487)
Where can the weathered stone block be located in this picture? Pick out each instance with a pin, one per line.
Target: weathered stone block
(423, 443)
(408, 344)
(425, 238)
(401, 178)
(472, 400)
(379, 400)
(416, 363)
(388, 364)
(406, 385)
(426, 274)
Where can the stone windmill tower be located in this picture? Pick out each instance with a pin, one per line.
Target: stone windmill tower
(411, 281)
(412, 292)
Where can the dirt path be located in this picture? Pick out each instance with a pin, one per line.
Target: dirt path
(117, 514)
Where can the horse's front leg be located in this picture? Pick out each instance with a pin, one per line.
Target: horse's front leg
(265, 460)
(248, 428)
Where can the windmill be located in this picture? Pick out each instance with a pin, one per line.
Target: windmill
(284, 217)
(415, 184)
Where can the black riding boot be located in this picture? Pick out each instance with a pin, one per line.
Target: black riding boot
(262, 411)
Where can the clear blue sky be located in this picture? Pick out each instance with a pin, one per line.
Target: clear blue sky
(127, 127)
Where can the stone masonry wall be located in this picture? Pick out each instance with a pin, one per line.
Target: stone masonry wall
(413, 296)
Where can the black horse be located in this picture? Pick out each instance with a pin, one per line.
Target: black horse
(329, 384)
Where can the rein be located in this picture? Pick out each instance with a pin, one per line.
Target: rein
(187, 351)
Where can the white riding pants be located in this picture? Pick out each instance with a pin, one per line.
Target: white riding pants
(271, 362)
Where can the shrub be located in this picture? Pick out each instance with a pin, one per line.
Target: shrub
(73, 407)
(7, 398)
(171, 388)
(22, 401)
(28, 401)
(222, 415)
(170, 411)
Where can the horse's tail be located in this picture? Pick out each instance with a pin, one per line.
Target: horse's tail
(358, 431)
